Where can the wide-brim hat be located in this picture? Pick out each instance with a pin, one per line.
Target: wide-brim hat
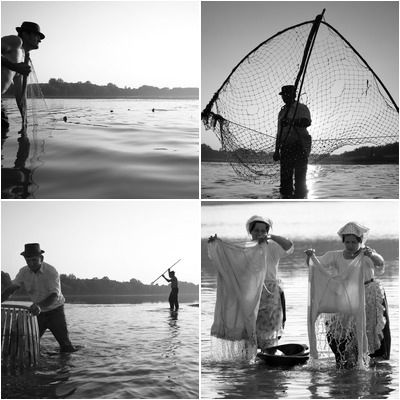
(288, 89)
(257, 218)
(31, 27)
(32, 249)
(354, 228)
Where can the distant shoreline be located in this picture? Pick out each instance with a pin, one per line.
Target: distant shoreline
(57, 88)
(113, 97)
(185, 297)
(366, 155)
(332, 162)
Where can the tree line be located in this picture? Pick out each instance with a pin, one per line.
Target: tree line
(71, 285)
(57, 88)
(375, 154)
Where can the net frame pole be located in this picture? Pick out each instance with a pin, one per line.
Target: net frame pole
(302, 72)
(365, 62)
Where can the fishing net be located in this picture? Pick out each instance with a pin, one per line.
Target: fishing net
(337, 339)
(241, 271)
(348, 103)
(231, 350)
(18, 179)
(38, 111)
(336, 315)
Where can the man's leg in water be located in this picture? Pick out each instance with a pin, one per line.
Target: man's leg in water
(5, 125)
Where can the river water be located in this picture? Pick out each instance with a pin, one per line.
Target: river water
(310, 224)
(219, 181)
(107, 148)
(129, 351)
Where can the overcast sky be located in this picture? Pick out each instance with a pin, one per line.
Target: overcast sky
(230, 30)
(129, 43)
(118, 239)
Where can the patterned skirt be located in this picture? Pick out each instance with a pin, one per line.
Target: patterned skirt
(341, 330)
(271, 315)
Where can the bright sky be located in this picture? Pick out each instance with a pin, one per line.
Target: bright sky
(118, 239)
(301, 219)
(128, 43)
(230, 30)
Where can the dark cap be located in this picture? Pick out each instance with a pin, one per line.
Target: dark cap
(288, 89)
(31, 27)
(32, 249)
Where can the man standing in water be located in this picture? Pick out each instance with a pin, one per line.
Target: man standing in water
(293, 144)
(15, 66)
(173, 297)
(42, 282)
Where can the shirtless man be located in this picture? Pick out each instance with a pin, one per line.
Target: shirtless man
(173, 297)
(15, 66)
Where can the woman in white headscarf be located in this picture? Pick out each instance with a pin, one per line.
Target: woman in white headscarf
(340, 330)
(245, 271)
(271, 315)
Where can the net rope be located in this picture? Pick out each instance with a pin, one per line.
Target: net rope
(348, 103)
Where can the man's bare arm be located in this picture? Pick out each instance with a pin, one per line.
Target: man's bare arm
(19, 68)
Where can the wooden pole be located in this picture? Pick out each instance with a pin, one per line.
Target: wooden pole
(152, 283)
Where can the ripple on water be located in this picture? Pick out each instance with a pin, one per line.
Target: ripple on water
(117, 362)
(134, 154)
(324, 182)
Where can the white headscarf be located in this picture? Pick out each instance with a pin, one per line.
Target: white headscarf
(354, 228)
(257, 218)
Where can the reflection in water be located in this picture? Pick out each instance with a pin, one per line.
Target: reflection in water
(153, 154)
(172, 338)
(324, 181)
(16, 181)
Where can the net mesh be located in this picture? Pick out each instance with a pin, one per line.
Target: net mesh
(337, 340)
(18, 180)
(38, 111)
(348, 104)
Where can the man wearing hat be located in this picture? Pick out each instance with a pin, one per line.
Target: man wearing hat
(42, 283)
(15, 66)
(293, 144)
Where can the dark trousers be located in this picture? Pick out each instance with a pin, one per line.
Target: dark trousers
(173, 299)
(294, 162)
(55, 321)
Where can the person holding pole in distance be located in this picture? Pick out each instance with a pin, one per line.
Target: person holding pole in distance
(173, 297)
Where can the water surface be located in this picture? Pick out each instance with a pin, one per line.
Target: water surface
(107, 148)
(219, 181)
(129, 351)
